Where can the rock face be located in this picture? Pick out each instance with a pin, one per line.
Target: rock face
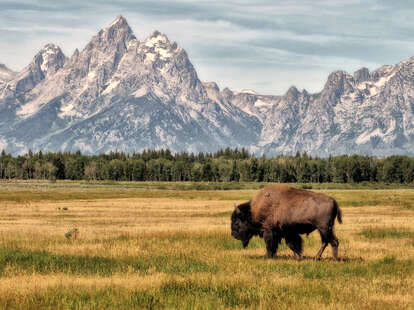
(5, 74)
(120, 93)
(368, 113)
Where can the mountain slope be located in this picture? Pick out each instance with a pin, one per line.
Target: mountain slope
(124, 94)
(121, 93)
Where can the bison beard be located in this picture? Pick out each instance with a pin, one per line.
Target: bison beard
(282, 212)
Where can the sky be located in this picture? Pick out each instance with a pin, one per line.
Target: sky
(264, 45)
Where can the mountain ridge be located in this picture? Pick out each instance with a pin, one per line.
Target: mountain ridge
(121, 93)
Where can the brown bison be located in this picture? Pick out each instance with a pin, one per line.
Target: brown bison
(282, 211)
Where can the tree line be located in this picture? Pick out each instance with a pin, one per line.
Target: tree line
(228, 165)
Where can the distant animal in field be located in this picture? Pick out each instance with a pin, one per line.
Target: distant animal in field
(283, 212)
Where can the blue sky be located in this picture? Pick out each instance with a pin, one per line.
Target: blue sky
(262, 45)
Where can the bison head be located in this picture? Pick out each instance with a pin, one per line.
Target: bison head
(241, 224)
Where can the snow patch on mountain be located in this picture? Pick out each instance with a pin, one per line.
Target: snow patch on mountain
(112, 85)
(156, 39)
(67, 111)
(248, 92)
(140, 92)
(366, 136)
(260, 103)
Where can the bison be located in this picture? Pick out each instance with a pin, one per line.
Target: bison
(283, 212)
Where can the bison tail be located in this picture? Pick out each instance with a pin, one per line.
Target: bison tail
(338, 212)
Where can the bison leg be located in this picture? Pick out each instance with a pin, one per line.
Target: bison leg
(325, 240)
(328, 237)
(272, 242)
(334, 244)
(294, 242)
(324, 245)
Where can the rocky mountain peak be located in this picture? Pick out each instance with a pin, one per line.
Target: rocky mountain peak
(338, 83)
(4, 68)
(361, 75)
(116, 35)
(118, 30)
(159, 44)
(292, 93)
(5, 73)
(227, 93)
(75, 54)
(50, 59)
(212, 85)
(46, 62)
(119, 22)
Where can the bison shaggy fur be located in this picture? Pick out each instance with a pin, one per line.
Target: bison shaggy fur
(283, 212)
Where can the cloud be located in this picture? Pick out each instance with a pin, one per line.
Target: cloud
(267, 44)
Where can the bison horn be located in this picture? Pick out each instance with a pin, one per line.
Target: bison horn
(238, 210)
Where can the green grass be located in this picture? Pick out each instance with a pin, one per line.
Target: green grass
(192, 294)
(345, 270)
(45, 263)
(173, 295)
(382, 233)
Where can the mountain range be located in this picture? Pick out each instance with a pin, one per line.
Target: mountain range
(119, 93)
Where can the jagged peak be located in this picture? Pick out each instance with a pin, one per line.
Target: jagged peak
(6, 73)
(338, 83)
(338, 73)
(293, 92)
(156, 38)
(159, 44)
(227, 91)
(118, 23)
(361, 75)
(338, 77)
(51, 46)
(49, 57)
(212, 85)
(49, 49)
(3, 67)
(117, 30)
(119, 20)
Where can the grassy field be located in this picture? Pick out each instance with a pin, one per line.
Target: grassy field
(168, 246)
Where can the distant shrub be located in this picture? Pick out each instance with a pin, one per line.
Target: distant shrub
(72, 234)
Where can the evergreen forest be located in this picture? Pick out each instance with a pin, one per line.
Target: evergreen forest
(228, 165)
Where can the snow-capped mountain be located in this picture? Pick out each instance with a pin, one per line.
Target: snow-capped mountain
(125, 94)
(367, 113)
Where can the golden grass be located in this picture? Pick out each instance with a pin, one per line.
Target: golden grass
(175, 251)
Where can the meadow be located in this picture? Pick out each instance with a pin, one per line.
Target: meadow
(168, 246)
